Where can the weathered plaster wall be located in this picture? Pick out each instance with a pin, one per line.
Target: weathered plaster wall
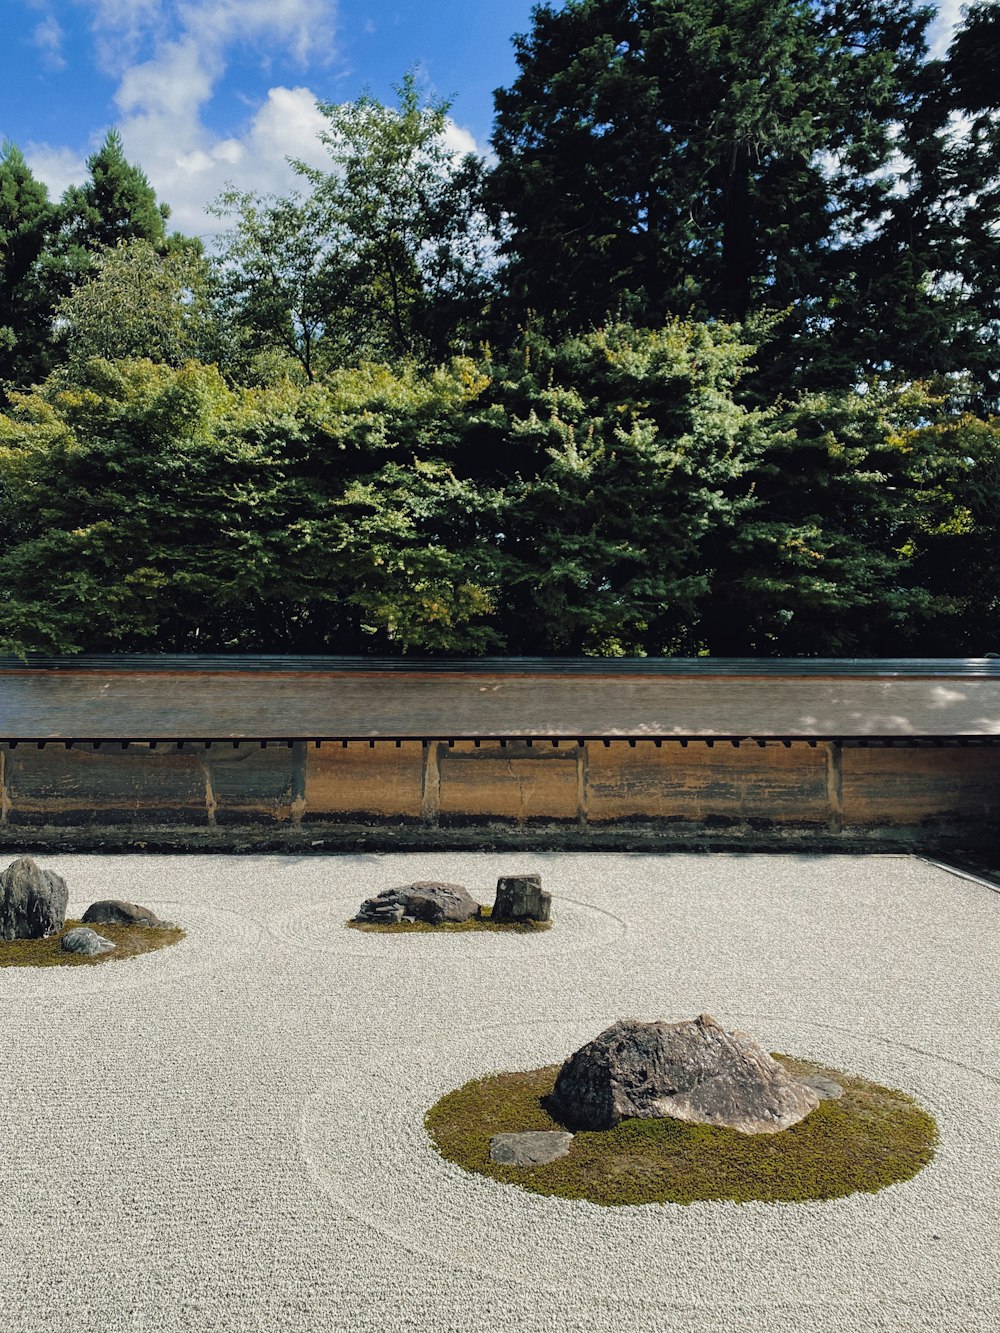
(572, 793)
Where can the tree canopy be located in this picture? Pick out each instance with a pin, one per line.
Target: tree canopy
(705, 361)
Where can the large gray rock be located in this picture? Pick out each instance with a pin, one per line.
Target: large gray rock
(32, 901)
(81, 939)
(521, 898)
(694, 1070)
(533, 1147)
(425, 900)
(115, 912)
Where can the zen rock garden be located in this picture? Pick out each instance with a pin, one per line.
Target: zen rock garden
(521, 903)
(34, 930)
(658, 1112)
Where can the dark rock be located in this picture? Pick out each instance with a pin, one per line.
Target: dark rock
(522, 898)
(425, 900)
(532, 1148)
(81, 939)
(115, 912)
(32, 901)
(693, 1070)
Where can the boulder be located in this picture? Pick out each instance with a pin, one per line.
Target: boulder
(694, 1071)
(115, 912)
(531, 1148)
(81, 939)
(521, 898)
(425, 900)
(32, 901)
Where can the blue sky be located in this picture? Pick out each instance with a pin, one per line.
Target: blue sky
(208, 92)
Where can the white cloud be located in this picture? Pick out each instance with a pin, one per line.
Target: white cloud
(57, 167)
(169, 57)
(48, 37)
(190, 166)
(942, 30)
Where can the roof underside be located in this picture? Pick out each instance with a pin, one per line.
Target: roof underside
(173, 699)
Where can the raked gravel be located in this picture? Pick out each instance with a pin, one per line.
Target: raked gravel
(228, 1134)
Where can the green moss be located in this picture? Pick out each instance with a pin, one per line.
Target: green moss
(481, 922)
(128, 940)
(869, 1138)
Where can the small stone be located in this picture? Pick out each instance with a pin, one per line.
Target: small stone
(32, 901)
(826, 1089)
(81, 939)
(115, 912)
(522, 898)
(532, 1148)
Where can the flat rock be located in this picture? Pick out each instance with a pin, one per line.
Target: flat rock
(694, 1070)
(532, 1148)
(116, 912)
(32, 901)
(81, 939)
(429, 900)
(521, 898)
(826, 1089)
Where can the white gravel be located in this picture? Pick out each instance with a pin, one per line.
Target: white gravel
(227, 1135)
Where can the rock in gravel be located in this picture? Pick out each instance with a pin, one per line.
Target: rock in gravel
(532, 1148)
(425, 900)
(694, 1070)
(32, 901)
(115, 912)
(521, 898)
(81, 939)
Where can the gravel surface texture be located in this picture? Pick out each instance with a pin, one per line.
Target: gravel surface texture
(228, 1134)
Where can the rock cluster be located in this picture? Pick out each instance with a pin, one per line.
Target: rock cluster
(115, 912)
(519, 898)
(425, 900)
(694, 1071)
(32, 901)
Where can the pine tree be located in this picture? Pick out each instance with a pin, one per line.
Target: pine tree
(26, 222)
(712, 158)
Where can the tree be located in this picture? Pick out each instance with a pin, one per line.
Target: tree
(137, 303)
(275, 283)
(152, 507)
(624, 458)
(664, 158)
(27, 219)
(387, 255)
(116, 204)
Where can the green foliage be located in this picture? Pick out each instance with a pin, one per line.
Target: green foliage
(605, 494)
(116, 204)
(710, 158)
(868, 1139)
(384, 258)
(624, 452)
(27, 220)
(138, 303)
(157, 506)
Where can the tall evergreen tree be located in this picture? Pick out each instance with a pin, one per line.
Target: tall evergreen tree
(117, 202)
(705, 157)
(26, 222)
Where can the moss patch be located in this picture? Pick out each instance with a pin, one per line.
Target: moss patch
(869, 1138)
(481, 922)
(128, 940)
